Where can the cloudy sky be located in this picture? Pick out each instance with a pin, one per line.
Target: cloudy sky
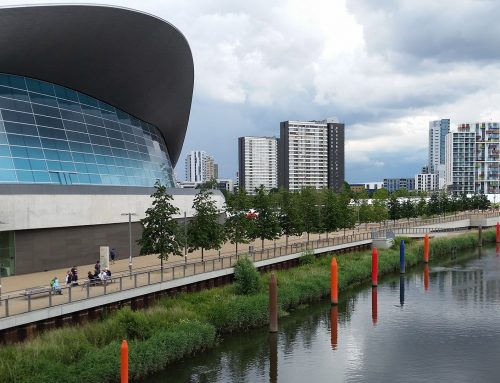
(385, 68)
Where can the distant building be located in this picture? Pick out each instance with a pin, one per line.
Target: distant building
(393, 184)
(472, 158)
(226, 184)
(200, 167)
(257, 163)
(426, 182)
(437, 144)
(370, 187)
(311, 154)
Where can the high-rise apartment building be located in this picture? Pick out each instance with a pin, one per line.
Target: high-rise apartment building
(437, 141)
(393, 184)
(258, 163)
(311, 154)
(200, 167)
(472, 158)
(426, 182)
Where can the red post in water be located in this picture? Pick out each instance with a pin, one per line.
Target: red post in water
(374, 267)
(334, 282)
(426, 277)
(426, 248)
(124, 362)
(497, 250)
(498, 233)
(374, 306)
(334, 311)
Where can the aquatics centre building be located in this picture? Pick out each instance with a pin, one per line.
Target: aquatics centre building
(94, 107)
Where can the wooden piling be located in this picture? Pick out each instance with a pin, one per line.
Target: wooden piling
(273, 304)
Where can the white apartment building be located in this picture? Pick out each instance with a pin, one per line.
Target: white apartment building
(436, 159)
(311, 154)
(258, 163)
(200, 167)
(472, 158)
(426, 182)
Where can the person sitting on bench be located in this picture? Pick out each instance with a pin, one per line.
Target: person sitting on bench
(54, 284)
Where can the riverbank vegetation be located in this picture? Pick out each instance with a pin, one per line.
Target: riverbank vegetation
(190, 323)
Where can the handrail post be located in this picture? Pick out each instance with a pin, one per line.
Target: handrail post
(135, 280)
(88, 289)
(121, 283)
(7, 307)
(149, 277)
(50, 298)
(69, 293)
(29, 302)
(105, 284)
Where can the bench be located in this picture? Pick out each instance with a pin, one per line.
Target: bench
(39, 290)
(96, 282)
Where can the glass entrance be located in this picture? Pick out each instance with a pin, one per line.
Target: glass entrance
(7, 251)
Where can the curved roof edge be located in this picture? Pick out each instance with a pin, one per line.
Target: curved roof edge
(132, 60)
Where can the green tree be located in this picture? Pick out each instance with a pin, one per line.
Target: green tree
(433, 207)
(331, 215)
(204, 231)
(381, 194)
(237, 226)
(408, 209)
(290, 217)
(266, 224)
(421, 208)
(394, 208)
(310, 210)
(380, 211)
(160, 234)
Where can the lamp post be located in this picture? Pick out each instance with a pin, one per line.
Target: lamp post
(1, 267)
(129, 240)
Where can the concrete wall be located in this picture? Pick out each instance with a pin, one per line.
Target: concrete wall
(26, 209)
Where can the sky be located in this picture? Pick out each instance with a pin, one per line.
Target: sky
(385, 68)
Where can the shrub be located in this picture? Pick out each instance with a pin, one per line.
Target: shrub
(397, 241)
(246, 277)
(307, 257)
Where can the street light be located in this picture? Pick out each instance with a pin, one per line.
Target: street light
(129, 239)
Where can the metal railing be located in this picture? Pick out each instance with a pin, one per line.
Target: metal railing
(18, 302)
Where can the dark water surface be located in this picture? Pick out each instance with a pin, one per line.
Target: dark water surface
(436, 324)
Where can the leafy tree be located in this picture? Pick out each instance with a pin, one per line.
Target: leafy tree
(290, 217)
(380, 211)
(421, 208)
(408, 209)
(394, 208)
(266, 224)
(331, 214)
(238, 226)
(160, 234)
(246, 277)
(310, 210)
(204, 231)
(381, 194)
(366, 213)
(433, 207)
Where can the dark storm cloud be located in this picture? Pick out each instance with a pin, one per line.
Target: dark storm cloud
(443, 31)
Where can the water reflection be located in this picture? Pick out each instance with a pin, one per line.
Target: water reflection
(497, 250)
(429, 340)
(334, 312)
(401, 290)
(374, 306)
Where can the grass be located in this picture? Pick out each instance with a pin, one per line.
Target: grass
(191, 323)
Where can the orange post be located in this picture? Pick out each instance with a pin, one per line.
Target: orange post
(374, 306)
(334, 311)
(498, 233)
(426, 248)
(426, 277)
(334, 282)
(374, 267)
(124, 362)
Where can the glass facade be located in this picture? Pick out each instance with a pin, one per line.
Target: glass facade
(55, 135)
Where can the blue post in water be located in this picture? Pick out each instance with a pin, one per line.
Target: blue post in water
(402, 257)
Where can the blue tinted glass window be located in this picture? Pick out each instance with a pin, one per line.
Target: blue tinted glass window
(93, 120)
(55, 144)
(4, 151)
(54, 165)
(10, 115)
(86, 100)
(111, 125)
(16, 139)
(49, 121)
(92, 168)
(46, 111)
(17, 94)
(114, 134)
(7, 103)
(66, 93)
(80, 137)
(96, 130)
(117, 143)
(43, 99)
(40, 86)
(72, 116)
(68, 166)
(98, 140)
(8, 176)
(76, 126)
(80, 147)
(83, 178)
(35, 153)
(25, 176)
(70, 105)
(12, 81)
(52, 133)
(41, 177)
(6, 163)
(14, 127)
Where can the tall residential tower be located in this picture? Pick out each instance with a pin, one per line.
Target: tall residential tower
(437, 136)
(200, 167)
(258, 163)
(311, 154)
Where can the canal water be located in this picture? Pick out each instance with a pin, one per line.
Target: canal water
(440, 323)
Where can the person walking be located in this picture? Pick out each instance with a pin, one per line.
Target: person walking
(112, 254)
(69, 278)
(74, 273)
(97, 267)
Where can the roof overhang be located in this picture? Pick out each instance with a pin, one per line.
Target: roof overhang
(134, 61)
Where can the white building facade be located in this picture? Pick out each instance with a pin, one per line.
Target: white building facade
(437, 142)
(472, 158)
(426, 182)
(200, 167)
(258, 163)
